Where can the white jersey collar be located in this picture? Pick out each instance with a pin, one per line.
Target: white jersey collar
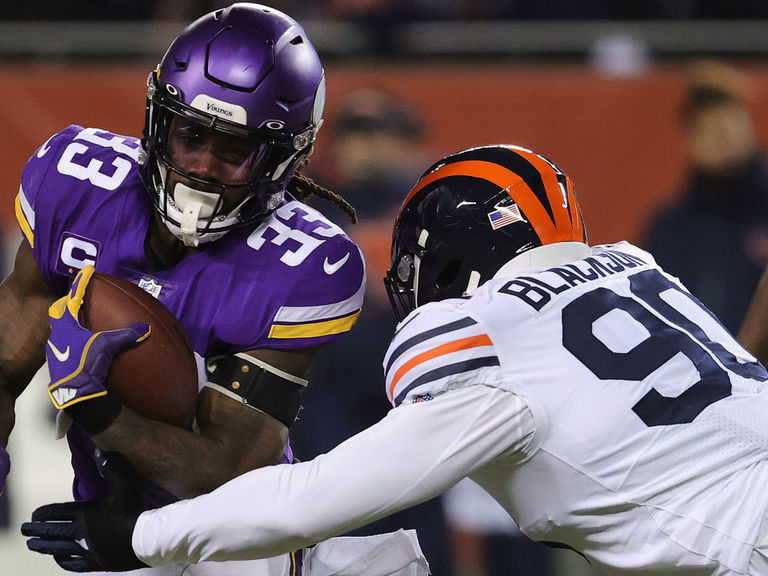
(543, 257)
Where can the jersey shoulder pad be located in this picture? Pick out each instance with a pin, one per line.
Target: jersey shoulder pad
(628, 249)
(318, 275)
(436, 348)
(35, 174)
(72, 163)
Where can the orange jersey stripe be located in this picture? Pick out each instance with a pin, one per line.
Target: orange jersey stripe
(503, 178)
(455, 346)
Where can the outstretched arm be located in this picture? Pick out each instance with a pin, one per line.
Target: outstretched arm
(417, 452)
(233, 438)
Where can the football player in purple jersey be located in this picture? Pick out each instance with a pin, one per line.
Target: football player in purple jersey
(205, 212)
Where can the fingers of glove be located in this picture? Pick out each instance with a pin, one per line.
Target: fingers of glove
(80, 366)
(56, 547)
(74, 298)
(58, 308)
(67, 345)
(113, 341)
(57, 512)
(142, 329)
(51, 530)
(77, 290)
(75, 564)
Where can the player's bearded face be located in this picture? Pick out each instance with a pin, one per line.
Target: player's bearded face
(213, 156)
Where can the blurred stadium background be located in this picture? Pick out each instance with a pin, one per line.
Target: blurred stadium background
(594, 85)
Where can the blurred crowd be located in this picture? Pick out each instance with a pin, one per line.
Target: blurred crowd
(713, 234)
(393, 11)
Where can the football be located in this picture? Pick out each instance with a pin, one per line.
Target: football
(157, 378)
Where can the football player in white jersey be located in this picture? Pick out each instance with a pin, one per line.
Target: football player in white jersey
(583, 387)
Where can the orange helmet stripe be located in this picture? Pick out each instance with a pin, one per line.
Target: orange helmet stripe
(551, 188)
(563, 202)
(578, 225)
(505, 179)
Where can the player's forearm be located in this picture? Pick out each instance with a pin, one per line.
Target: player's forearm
(186, 463)
(24, 301)
(412, 455)
(18, 364)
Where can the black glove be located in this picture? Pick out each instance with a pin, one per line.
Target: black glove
(90, 536)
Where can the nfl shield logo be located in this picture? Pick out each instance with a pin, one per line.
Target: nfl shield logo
(149, 285)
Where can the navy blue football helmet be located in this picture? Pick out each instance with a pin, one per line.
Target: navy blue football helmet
(469, 214)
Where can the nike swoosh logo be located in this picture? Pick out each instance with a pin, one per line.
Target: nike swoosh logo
(329, 268)
(60, 356)
(44, 148)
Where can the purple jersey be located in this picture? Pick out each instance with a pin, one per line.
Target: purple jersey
(293, 281)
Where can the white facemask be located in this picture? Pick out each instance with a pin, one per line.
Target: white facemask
(191, 208)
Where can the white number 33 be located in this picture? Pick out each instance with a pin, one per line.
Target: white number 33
(108, 179)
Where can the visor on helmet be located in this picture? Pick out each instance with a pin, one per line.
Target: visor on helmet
(223, 158)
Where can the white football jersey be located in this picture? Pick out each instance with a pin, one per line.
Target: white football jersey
(650, 422)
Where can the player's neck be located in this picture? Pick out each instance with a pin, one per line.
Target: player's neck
(162, 249)
(543, 257)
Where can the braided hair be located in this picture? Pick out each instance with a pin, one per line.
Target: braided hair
(302, 187)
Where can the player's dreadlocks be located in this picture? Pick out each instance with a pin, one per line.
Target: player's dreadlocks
(302, 187)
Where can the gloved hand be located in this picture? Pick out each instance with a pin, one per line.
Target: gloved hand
(93, 535)
(5, 467)
(78, 359)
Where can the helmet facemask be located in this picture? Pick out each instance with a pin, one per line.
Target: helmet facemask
(401, 280)
(429, 268)
(199, 203)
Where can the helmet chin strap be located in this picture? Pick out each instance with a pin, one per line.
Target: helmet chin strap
(193, 205)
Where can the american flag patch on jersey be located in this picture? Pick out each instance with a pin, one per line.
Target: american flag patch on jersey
(505, 215)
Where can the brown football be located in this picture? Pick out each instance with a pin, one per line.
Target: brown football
(157, 378)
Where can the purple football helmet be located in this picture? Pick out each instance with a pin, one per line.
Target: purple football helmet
(232, 109)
